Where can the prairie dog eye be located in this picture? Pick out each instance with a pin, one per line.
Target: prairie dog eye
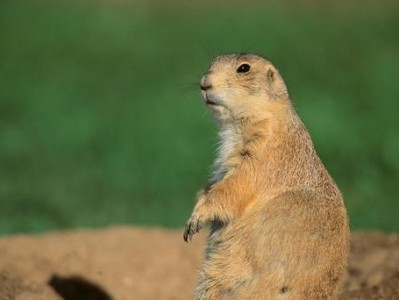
(244, 68)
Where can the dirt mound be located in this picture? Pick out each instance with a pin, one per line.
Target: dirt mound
(131, 263)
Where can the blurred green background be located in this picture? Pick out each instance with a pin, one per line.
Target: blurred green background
(101, 120)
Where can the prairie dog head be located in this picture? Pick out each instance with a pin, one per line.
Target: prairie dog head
(241, 86)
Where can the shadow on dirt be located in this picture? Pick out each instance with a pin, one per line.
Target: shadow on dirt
(77, 288)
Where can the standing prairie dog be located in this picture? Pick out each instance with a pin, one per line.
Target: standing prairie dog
(279, 228)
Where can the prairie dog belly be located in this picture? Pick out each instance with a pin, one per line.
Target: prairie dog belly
(279, 250)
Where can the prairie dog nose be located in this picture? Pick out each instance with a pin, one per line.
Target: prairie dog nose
(204, 85)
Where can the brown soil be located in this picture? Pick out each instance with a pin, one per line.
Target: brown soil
(132, 263)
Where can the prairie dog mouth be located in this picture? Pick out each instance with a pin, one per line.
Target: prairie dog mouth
(209, 100)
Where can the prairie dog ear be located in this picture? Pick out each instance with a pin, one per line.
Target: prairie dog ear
(270, 75)
(276, 85)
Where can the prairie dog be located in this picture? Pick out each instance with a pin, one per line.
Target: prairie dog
(279, 228)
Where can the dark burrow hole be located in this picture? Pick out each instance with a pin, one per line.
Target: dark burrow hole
(77, 288)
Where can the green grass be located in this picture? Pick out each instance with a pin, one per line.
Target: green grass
(101, 120)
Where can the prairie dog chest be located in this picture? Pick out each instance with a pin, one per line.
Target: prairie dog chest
(231, 141)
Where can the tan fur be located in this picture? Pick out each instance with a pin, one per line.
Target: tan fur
(279, 228)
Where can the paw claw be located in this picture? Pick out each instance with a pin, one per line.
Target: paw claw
(198, 227)
(193, 226)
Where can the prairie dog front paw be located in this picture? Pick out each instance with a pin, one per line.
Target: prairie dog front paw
(198, 218)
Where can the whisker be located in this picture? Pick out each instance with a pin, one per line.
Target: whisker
(193, 85)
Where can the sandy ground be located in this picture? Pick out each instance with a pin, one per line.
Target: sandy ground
(133, 263)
